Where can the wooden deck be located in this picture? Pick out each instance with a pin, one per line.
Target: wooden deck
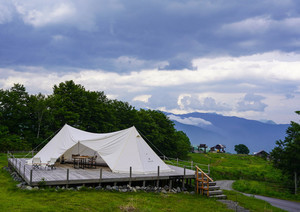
(65, 174)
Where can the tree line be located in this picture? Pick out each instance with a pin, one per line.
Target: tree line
(286, 154)
(26, 120)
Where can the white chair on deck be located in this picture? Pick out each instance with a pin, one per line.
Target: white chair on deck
(51, 163)
(36, 163)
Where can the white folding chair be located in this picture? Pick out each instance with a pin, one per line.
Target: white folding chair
(36, 163)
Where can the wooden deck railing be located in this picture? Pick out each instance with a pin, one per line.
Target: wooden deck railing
(204, 179)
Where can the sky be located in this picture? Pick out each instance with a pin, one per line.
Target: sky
(231, 57)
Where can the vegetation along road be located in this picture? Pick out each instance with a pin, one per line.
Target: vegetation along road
(283, 204)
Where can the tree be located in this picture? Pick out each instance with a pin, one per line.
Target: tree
(285, 155)
(241, 149)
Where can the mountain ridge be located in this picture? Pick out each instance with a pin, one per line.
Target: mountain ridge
(212, 129)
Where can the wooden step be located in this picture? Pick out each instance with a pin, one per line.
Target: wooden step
(210, 183)
(212, 188)
(220, 196)
(215, 192)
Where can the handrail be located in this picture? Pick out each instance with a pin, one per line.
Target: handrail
(182, 163)
(202, 181)
(204, 174)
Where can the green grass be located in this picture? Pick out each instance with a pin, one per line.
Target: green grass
(254, 175)
(14, 199)
(265, 189)
(235, 167)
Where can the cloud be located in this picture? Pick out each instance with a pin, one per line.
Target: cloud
(251, 102)
(122, 37)
(6, 12)
(249, 86)
(188, 55)
(194, 102)
(190, 121)
(142, 98)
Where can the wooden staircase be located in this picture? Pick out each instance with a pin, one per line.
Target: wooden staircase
(206, 186)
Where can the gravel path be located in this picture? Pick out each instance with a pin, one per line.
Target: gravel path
(234, 206)
(279, 203)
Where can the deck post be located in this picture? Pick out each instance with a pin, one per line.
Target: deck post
(183, 177)
(130, 175)
(157, 182)
(164, 157)
(170, 184)
(295, 183)
(115, 183)
(20, 168)
(67, 178)
(144, 183)
(100, 179)
(30, 183)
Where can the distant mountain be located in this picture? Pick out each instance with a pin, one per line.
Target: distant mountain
(212, 129)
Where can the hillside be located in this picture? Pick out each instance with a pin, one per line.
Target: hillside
(212, 129)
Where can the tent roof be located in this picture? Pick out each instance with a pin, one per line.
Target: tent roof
(120, 150)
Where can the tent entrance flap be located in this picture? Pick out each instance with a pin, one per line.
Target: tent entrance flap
(81, 149)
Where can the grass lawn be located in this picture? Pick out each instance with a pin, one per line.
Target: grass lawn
(14, 199)
(235, 167)
(254, 175)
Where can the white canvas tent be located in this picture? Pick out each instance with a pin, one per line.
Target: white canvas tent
(119, 150)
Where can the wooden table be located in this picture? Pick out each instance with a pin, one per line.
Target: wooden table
(80, 161)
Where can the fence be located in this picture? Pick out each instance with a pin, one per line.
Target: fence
(183, 163)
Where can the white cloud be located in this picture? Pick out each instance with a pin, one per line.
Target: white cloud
(190, 121)
(142, 98)
(250, 25)
(216, 84)
(262, 24)
(76, 13)
(6, 12)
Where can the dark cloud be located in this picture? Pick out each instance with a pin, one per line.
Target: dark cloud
(98, 33)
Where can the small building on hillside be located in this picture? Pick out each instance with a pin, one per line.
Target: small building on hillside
(218, 148)
(262, 154)
(202, 148)
(199, 149)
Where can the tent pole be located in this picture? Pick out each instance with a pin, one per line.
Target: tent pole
(78, 148)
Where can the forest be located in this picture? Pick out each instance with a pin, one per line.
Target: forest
(29, 121)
